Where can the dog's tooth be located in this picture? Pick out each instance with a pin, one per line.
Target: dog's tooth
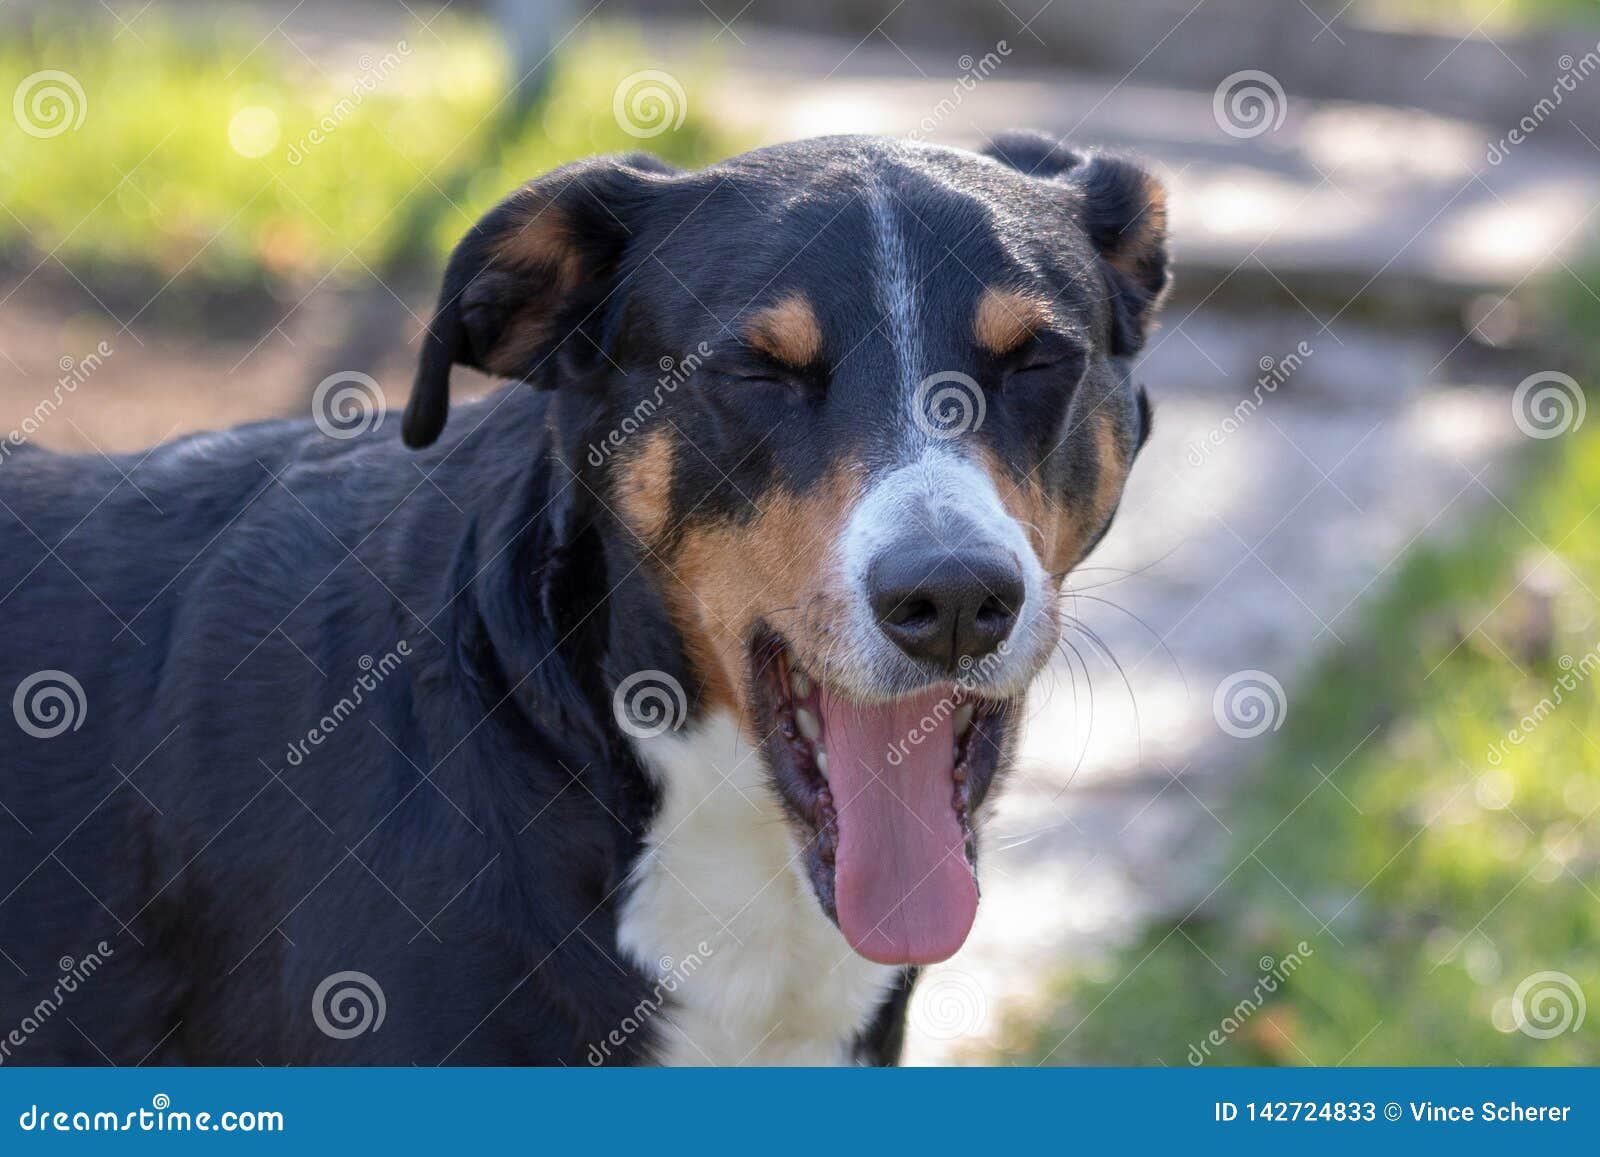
(799, 683)
(822, 762)
(808, 725)
(963, 719)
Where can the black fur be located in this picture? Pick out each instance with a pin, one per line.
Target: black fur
(462, 834)
(241, 891)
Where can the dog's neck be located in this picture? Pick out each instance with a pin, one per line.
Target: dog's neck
(719, 911)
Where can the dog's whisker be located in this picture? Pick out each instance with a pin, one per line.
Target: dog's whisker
(1088, 736)
(1123, 573)
(1154, 634)
(1133, 700)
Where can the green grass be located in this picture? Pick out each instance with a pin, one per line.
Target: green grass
(195, 153)
(1440, 866)
(578, 119)
(1489, 15)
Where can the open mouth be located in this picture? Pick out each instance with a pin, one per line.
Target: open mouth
(882, 794)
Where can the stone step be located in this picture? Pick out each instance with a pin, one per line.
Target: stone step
(1346, 207)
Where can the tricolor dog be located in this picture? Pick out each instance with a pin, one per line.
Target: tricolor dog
(645, 712)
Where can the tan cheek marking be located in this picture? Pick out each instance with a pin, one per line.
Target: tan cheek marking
(643, 489)
(1083, 517)
(778, 567)
(1059, 531)
(1041, 517)
(787, 331)
(1110, 472)
(1005, 319)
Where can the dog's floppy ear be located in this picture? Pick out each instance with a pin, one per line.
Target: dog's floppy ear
(1123, 209)
(527, 279)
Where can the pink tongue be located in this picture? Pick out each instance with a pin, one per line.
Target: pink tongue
(902, 888)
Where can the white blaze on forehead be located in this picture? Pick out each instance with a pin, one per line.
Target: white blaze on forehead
(924, 489)
(896, 290)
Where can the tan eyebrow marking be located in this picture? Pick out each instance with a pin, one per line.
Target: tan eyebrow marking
(787, 331)
(1006, 318)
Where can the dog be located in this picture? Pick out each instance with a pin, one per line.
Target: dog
(650, 714)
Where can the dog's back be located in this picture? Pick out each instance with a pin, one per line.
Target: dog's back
(222, 784)
(101, 557)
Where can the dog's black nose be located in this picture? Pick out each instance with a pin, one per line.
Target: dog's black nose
(938, 605)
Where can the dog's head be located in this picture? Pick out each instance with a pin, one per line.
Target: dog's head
(859, 407)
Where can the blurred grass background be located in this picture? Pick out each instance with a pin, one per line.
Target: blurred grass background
(202, 163)
(240, 211)
(1432, 889)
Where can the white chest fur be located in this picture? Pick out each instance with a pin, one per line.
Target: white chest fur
(719, 904)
